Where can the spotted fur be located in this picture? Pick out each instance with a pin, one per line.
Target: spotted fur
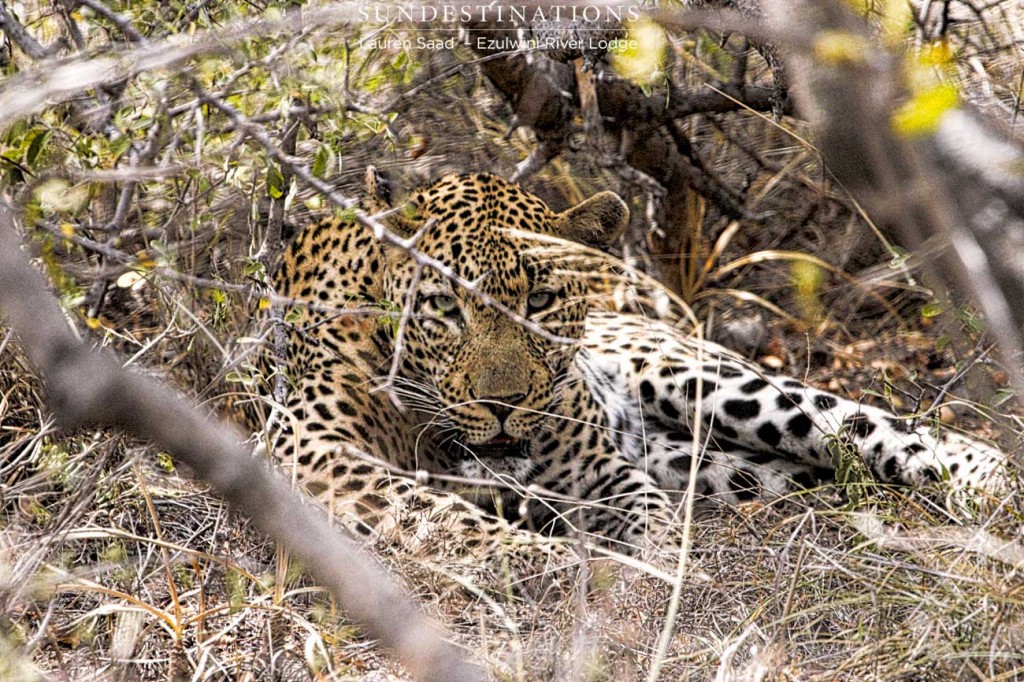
(577, 405)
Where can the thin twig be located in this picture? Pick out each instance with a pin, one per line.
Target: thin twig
(98, 291)
(697, 451)
(244, 290)
(47, 83)
(269, 251)
(396, 357)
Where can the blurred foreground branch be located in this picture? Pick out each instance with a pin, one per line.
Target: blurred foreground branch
(927, 166)
(88, 388)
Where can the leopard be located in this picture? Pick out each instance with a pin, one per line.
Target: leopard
(465, 371)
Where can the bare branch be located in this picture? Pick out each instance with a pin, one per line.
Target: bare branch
(116, 19)
(19, 36)
(542, 93)
(245, 291)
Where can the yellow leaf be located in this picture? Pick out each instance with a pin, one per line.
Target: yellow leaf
(921, 115)
(643, 53)
(144, 260)
(807, 280)
(92, 323)
(68, 230)
(839, 47)
(264, 303)
(938, 53)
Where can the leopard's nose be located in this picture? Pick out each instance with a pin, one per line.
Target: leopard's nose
(501, 406)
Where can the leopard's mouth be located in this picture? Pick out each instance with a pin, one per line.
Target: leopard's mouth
(501, 446)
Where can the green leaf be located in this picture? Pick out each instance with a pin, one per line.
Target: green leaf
(17, 132)
(970, 319)
(36, 146)
(392, 317)
(1002, 396)
(323, 157)
(899, 257)
(120, 145)
(932, 309)
(275, 183)
(255, 269)
(238, 377)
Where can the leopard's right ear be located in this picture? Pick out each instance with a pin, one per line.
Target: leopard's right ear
(597, 222)
(380, 198)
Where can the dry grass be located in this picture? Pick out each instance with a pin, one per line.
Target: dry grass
(113, 565)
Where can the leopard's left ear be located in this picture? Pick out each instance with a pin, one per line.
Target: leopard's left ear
(598, 221)
(377, 188)
(380, 196)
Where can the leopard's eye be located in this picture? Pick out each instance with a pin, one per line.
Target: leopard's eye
(445, 304)
(538, 301)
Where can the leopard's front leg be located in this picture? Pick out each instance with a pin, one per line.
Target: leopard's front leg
(612, 498)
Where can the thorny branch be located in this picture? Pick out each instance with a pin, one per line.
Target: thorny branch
(244, 290)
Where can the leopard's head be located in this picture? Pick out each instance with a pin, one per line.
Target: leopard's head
(492, 378)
